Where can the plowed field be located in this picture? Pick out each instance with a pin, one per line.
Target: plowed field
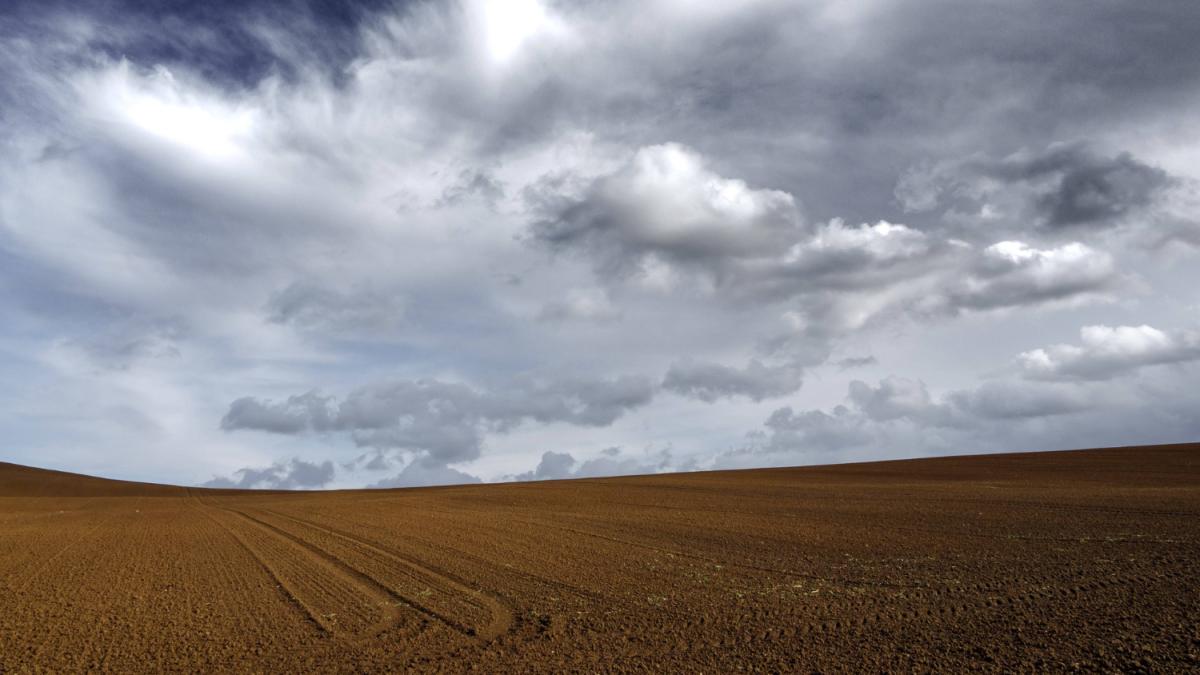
(1042, 562)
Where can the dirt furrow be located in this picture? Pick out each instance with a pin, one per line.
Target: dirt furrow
(336, 600)
(497, 618)
(1055, 562)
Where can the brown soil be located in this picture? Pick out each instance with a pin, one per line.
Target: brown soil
(1035, 562)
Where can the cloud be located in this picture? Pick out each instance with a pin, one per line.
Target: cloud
(421, 473)
(123, 346)
(1015, 274)
(477, 185)
(812, 429)
(610, 462)
(710, 382)
(898, 398)
(839, 259)
(666, 214)
(665, 203)
(851, 362)
(1066, 185)
(1005, 400)
(553, 465)
(292, 416)
(581, 305)
(893, 398)
(1054, 397)
(290, 475)
(355, 312)
(666, 208)
(1106, 352)
(901, 412)
(444, 420)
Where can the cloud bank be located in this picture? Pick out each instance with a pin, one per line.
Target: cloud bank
(419, 242)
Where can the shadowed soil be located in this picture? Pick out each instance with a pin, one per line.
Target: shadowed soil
(1037, 562)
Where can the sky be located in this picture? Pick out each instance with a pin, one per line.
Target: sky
(329, 245)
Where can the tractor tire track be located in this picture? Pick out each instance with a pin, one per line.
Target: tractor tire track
(501, 617)
(341, 602)
(457, 552)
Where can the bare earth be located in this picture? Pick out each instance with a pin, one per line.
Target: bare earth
(1042, 562)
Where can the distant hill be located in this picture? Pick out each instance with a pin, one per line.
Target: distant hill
(25, 481)
(1093, 465)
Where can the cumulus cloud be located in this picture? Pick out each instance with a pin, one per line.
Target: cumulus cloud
(665, 207)
(666, 203)
(552, 465)
(666, 210)
(422, 472)
(1050, 397)
(1106, 352)
(811, 429)
(292, 416)
(610, 462)
(893, 398)
(899, 410)
(1015, 274)
(291, 475)
(446, 421)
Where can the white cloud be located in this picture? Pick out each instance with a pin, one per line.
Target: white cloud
(1015, 274)
(666, 202)
(1106, 352)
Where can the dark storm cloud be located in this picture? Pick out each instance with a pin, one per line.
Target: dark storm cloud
(1063, 186)
(1094, 190)
(280, 476)
(782, 92)
(233, 43)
